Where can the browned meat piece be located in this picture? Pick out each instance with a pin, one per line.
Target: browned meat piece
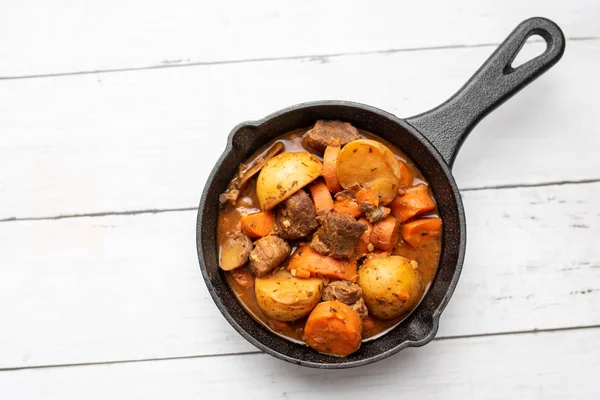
(317, 245)
(348, 293)
(338, 236)
(230, 195)
(318, 137)
(361, 308)
(348, 194)
(269, 252)
(322, 214)
(343, 291)
(344, 195)
(373, 214)
(296, 217)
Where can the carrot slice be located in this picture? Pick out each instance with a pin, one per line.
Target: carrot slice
(386, 234)
(333, 328)
(347, 207)
(330, 168)
(416, 201)
(422, 231)
(406, 175)
(306, 260)
(258, 224)
(368, 197)
(362, 247)
(321, 197)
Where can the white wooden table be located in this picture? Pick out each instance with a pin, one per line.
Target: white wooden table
(112, 114)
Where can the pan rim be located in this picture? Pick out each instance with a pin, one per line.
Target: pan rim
(435, 316)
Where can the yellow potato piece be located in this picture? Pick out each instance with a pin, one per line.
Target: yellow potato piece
(391, 286)
(372, 165)
(284, 175)
(284, 297)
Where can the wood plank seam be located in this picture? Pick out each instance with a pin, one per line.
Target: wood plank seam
(147, 266)
(99, 214)
(44, 137)
(530, 185)
(164, 210)
(247, 353)
(183, 63)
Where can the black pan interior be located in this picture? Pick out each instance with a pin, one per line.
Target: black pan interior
(420, 327)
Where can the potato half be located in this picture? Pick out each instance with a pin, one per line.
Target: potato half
(284, 297)
(369, 164)
(285, 174)
(391, 286)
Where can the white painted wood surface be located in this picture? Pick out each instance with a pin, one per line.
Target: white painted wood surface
(43, 37)
(129, 287)
(148, 139)
(553, 365)
(107, 290)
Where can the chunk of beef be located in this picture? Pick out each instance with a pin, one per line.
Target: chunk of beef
(361, 308)
(230, 195)
(269, 252)
(296, 217)
(323, 131)
(348, 194)
(337, 236)
(343, 291)
(322, 214)
(374, 214)
(348, 293)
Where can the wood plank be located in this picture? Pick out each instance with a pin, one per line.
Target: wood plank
(147, 140)
(114, 34)
(557, 365)
(129, 287)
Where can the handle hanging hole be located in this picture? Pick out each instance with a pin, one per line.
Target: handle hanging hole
(534, 46)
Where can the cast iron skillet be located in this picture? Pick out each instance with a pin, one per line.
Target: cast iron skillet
(431, 140)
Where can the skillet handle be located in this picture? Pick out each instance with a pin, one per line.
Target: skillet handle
(448, 125)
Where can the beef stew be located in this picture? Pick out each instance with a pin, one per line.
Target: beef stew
(338, 216)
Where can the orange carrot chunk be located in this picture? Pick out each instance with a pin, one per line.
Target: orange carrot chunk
(302, 273)
(306, 260)
(258, 224)
(321, 197)
(415, 201)
(386, 234)
(362, 247)
(406, 175)
(422, 231)
(346, 206)
(330, 168)
(333, 328)
(367, 197)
